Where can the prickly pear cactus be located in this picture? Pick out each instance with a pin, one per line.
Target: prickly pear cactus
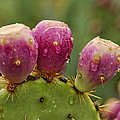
(38, 100)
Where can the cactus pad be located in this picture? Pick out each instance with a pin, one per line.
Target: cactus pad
(41, 101)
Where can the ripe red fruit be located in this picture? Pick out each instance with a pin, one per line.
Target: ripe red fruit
(55, 43)
(18, 52)
(98, 63)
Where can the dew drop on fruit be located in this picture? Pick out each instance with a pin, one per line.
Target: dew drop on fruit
(3, 63)
(94, 66)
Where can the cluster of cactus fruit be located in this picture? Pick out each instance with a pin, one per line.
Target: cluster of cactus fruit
(32, 62)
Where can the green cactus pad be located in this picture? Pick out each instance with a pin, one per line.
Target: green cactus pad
(42, 101)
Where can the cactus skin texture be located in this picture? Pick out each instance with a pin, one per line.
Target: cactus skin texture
(98, 63)
(55, 43)
(18, 52)
(44, 102)
(115, 108)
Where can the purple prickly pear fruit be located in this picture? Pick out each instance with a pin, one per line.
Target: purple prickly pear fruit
(18, 52)
(98, 63)
(113, 107)
(55, 43)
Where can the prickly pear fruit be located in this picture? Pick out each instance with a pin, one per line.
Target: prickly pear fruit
(55, 43)
(18, 52)
(113, 107)
(98, 63)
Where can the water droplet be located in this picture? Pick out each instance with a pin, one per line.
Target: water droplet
(94, 66)
(68, 61)
(71, 101)
(14, 49)
(57, 49)
(50, 111)
(3, 63)
(45, 52)
(55, 106)
(53, 101)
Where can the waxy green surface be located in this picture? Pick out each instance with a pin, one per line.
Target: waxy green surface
(58, 103)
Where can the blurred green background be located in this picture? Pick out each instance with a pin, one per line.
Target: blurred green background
(86, 18)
